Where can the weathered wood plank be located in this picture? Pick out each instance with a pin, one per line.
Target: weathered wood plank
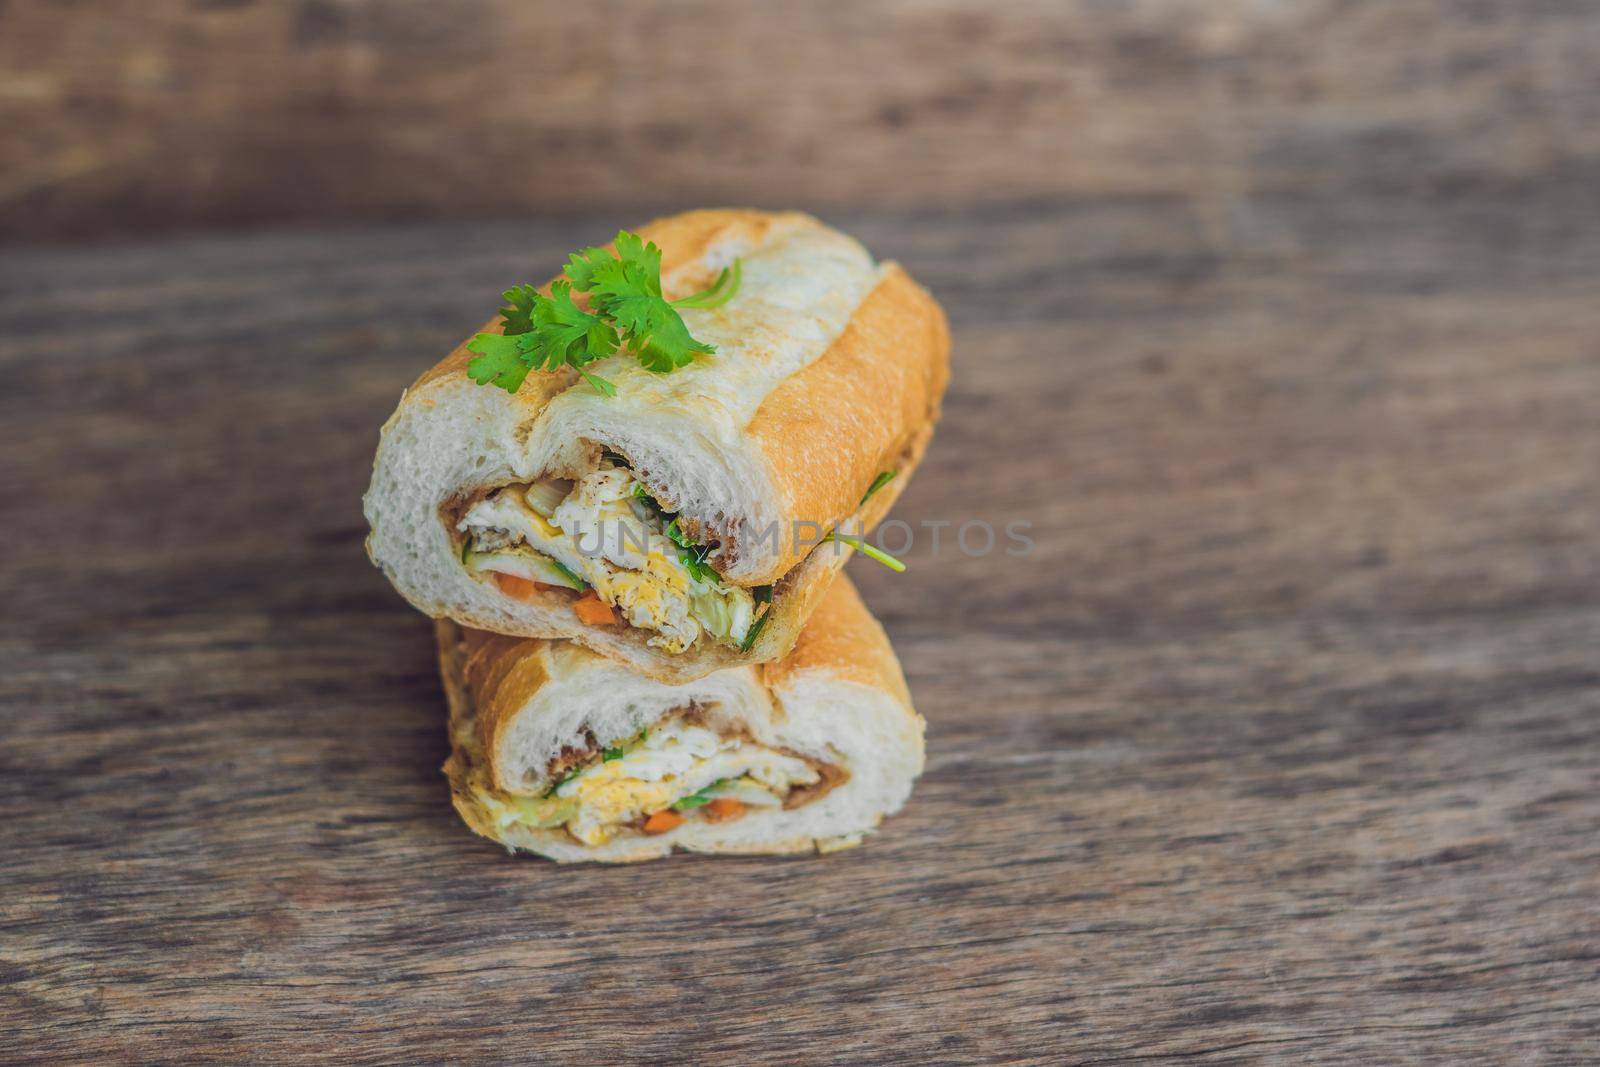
(1280, 745)
(172, 113)
(1277, 322)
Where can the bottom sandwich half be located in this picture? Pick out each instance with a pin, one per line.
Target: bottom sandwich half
(563, 752)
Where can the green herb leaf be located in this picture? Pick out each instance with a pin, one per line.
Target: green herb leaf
(518, 312)
(565, 333)
(564, 779)
(720, 291)
(652, 330)
(626, 308)
(693, 558)
(582, 266)
(700, 798)
(626, 287)
(883, 479)
(650, 503)
(611, 754)
(691, 555)
(600, 384)
(542, 333)
(870, 551)
(500, 361)
(635, 267)
(569, 573)
(754, 632)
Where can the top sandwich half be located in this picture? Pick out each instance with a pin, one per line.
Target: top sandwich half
(677, 525)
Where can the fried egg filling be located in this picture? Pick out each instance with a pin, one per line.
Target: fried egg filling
(678, 771)
(605, 533)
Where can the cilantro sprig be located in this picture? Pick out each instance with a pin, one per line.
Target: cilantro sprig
(860, 544)
(883, 479)
(754, 633)
(691, 555)
(867, 549)
(625, 309)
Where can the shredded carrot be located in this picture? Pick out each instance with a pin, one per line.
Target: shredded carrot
(660, 822)
(592, 611)
(521, 588)
(723, 809)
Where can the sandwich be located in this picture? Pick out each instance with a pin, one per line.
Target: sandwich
(668, 452)
(566, 753)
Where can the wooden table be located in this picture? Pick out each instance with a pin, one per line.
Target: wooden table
(1281, 744)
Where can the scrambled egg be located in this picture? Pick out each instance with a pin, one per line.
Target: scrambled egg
(604, 533)
(672, 762)
(503, 808)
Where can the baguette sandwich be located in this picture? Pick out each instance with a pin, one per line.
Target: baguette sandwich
(560, 751)
(681, 512)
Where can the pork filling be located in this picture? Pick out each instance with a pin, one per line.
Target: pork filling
(677, 771)
(607, 541)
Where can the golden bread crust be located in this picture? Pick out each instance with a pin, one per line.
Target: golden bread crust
(881, 383)
(493, 677)
(843, 639)
(866, 403)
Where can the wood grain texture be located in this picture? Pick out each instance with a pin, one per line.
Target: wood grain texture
(1282, 744)
(182, 113)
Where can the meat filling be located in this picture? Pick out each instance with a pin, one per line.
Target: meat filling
(606, 540)
(679, 770)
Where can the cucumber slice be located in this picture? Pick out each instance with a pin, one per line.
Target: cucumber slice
(525, 564)
(540, 813)
(747, 790)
